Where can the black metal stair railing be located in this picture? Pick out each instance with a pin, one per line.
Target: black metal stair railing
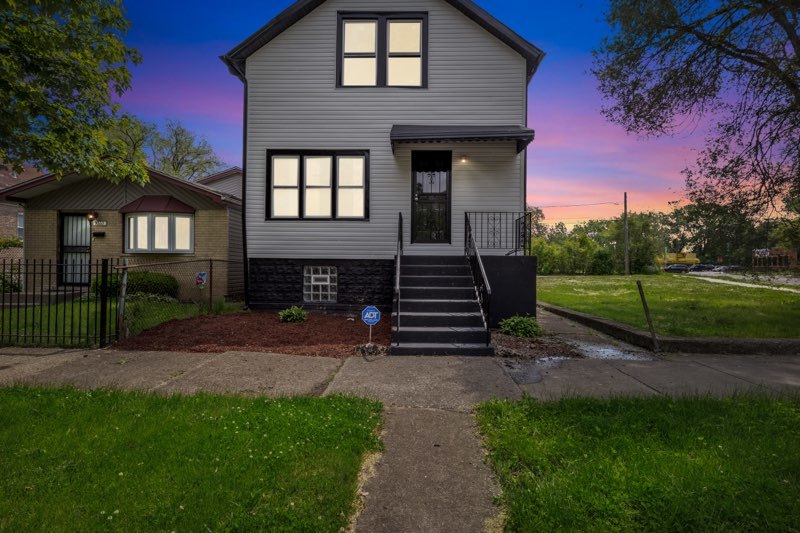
(397, 277)
(479, 277)
(502, 230)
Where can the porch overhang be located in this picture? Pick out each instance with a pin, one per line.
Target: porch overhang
(438, 134)
(157, 204)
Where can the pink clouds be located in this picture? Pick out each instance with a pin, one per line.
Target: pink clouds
(579, 157)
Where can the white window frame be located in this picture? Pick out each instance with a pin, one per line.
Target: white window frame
(21, 225)
(150, 249)
(303, 187)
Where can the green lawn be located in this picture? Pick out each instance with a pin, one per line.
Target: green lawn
(647, 464)
(100, 460)
(680, 305)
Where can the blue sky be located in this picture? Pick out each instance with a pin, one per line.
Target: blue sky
(577, 157)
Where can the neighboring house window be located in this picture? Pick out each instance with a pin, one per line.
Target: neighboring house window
(382, 50)
(317, 185)
(319, 284)
(159, 233)
(21, 225)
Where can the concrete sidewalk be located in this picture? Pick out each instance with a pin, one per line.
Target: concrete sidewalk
(432, 476)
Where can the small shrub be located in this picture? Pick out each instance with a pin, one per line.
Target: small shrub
(521, 326)
(141, 283)
(293, 315)
(651, 270)
(10, 242)
(150, 298)
(10, 283)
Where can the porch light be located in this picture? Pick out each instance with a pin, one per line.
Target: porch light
(92, 216)
(464, 159)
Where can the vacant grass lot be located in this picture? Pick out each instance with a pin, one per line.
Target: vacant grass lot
(647, 464)
(95, 461)
(680, 305)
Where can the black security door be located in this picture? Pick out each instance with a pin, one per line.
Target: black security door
(430, 202)
(76, 243)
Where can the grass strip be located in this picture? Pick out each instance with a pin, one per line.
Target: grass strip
(102, 460)
(652, 464)
(680, 305)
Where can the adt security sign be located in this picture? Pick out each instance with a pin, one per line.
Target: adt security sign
(371, 316)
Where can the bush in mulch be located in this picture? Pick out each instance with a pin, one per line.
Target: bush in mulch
(322, 335)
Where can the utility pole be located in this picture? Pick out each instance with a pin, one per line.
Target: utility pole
(627, 239)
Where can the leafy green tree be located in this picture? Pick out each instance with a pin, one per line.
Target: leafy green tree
(672, 64)
(720, 233)
(538, 227)
(61, 63)
(138, 137)
(182, 153)
(174, 150)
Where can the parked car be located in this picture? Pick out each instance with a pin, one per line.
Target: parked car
(702, 268)
(729, 268)
(677, 269)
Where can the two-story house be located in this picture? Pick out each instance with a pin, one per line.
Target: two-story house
(385, 164)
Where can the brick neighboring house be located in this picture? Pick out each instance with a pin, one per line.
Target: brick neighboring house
(78, 219)
(12, 215)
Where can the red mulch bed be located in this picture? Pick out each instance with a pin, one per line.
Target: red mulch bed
(322, 335)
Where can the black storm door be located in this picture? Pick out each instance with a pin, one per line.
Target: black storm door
(76, 246)
(430, 200)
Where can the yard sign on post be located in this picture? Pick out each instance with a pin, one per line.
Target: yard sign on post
(371, 316)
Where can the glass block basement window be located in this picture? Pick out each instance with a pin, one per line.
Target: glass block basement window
(319, 284)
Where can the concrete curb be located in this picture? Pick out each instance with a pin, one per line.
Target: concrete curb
(707, 345)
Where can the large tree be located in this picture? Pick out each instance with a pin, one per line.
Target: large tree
(181, 152)
(61, 64)
(173, 149)
(731, 65)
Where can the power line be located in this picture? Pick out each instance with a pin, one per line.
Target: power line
(575, 205)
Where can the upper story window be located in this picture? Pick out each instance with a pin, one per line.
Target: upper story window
(317, 184)
(382, 50)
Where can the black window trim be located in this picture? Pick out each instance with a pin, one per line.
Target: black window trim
(302, 154)
(382, 19)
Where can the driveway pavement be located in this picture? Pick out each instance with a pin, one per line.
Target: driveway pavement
(432, 476)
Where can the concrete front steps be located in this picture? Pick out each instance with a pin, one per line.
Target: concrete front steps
(439, 309)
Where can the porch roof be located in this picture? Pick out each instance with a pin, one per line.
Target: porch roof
(157, 204)
(414, 134)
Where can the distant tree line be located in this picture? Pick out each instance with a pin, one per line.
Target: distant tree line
(718, 234)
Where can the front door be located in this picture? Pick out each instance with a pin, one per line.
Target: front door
(430, 201)
(76, 246)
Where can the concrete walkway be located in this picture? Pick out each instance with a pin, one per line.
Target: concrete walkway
(432, 475)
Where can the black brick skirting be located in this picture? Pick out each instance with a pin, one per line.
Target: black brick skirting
(278, 283)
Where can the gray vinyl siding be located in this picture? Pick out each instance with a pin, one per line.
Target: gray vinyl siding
(232, 185)
(293, 103)
(235, 251)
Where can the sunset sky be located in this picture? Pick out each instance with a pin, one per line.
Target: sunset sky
(577, 157)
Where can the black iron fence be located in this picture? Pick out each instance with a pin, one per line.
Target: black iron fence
(156, 292)
(46, 303)
(502, 230)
